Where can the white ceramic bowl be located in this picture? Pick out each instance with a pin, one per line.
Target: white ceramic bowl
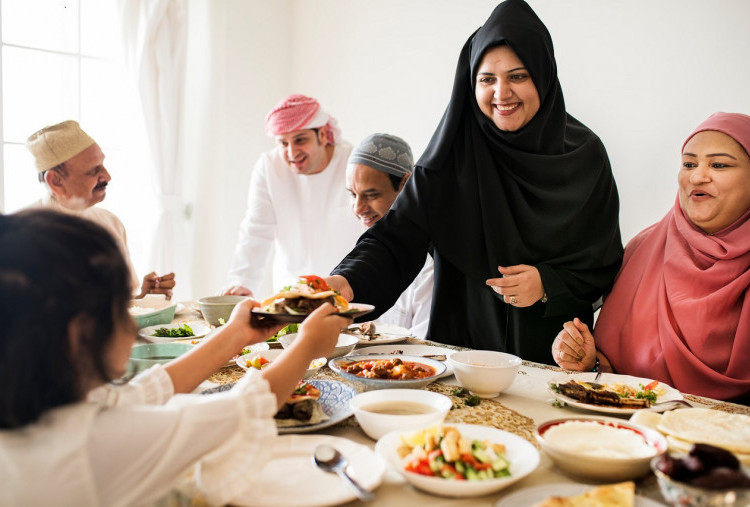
(368, 384)
(272, 355)
(215, 308)
(370, 410)
(608, 454)
(344, 345)
(485, 373)
(523, 457)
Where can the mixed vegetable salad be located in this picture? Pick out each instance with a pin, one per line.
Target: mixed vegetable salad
(442, 452)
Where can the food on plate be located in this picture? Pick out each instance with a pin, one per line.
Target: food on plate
(441, 451)
(290, 329)
(364, 331)
(258, 362)
(609, 495)
(599, 439)
(705, 466)
(304, 296)
(686, 426)
(301, 407)
(470, 400)
(183, 331)
(614, 395)
(390, 369)
(399, 352)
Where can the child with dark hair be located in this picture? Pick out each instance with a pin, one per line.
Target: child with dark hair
(64, 438)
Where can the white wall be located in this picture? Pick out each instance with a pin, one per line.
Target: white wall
(640, 73)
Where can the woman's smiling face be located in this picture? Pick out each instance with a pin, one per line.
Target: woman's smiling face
(714, 180)
(504, 90)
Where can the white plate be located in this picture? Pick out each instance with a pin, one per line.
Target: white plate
(535, 494)
(387, 333)
(289, 476)
(334, 400)
(271, 355)
(410, 350)
(200, 329)
(523, 457)
(669, 394)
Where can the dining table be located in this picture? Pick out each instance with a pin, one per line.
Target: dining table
(527, 403)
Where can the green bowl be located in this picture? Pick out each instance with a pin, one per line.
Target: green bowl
(145, 356)
(158, 316)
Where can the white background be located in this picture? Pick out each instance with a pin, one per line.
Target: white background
(641, 73)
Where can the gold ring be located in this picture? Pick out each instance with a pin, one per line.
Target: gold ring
(513, 300)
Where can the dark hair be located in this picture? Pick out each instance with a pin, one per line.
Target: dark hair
(59, 169)
(55, 268)
(395, 180)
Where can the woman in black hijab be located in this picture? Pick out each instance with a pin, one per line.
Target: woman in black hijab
(514, 197)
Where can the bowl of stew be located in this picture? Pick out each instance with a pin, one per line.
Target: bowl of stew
(387, 371)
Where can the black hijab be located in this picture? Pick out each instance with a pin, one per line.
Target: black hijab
(543, 194)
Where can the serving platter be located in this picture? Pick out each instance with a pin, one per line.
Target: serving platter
(384, 333)
(535, 494)
(411, 350)
(664, 391)
(355, 310)
(289, 476)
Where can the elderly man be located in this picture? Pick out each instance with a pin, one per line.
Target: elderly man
(71, 165)
(377, 171)
(297, 201)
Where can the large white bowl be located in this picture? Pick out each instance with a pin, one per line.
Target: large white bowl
(523, 457)
(485, 373)
(604, 459)
(344, 345)
(272, 355)
(368, 384)
(376, 424)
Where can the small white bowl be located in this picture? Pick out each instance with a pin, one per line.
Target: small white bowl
(344, 345)
(272, 355)
(485, 373)
(606, 455)
(217, 309)
(369, 409)
(522, 455)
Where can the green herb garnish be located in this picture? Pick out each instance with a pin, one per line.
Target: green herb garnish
(176, 332)
(473, 401)
(291, 328)
(460, 392)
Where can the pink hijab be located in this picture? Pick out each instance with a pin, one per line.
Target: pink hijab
(679, 311)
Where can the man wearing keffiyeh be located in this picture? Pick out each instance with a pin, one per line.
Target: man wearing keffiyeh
(297, 202)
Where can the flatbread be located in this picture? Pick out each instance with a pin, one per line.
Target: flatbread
(610, 495)
(721, 429)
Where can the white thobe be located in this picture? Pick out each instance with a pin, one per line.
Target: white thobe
(307, 219)
(412, 309)
(93, 453)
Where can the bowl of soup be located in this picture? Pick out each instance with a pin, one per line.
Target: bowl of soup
(387, 371)
(382, 411)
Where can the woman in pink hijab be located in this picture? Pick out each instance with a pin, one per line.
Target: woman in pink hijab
(679, 311)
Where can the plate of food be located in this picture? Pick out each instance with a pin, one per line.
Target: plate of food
(621, 493)
(295, 302)
(261, 359)
(328, 404)
(458, 460)
(612, 393)
(428, 351)
(290, 477)
(375, 333)
(165, 333)
(387, 371)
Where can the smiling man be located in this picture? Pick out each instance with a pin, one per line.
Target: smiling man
(297, 201)
(376, 172)
(71, 166)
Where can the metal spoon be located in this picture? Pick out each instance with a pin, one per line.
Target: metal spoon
(331, 460)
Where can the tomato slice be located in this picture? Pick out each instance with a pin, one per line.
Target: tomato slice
(650, 386)
(315, 282)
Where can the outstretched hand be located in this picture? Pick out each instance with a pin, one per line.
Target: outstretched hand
(340, 284)
(520, 285)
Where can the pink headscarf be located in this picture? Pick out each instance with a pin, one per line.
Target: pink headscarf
(298, 112)
(679, 311)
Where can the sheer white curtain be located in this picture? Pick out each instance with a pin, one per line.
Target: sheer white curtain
(155, 39)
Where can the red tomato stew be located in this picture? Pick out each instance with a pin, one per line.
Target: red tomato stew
(389, 369)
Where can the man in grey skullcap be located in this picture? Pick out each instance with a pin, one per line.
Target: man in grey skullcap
(376, 172)
(71, 165)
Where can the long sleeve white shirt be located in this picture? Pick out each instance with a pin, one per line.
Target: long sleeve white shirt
(306, 220)
(412, 309)
(96, 453)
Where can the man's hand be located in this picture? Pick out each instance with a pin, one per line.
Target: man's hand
(520, 285)
(340, 284)
(236, 290)
(154, 284)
